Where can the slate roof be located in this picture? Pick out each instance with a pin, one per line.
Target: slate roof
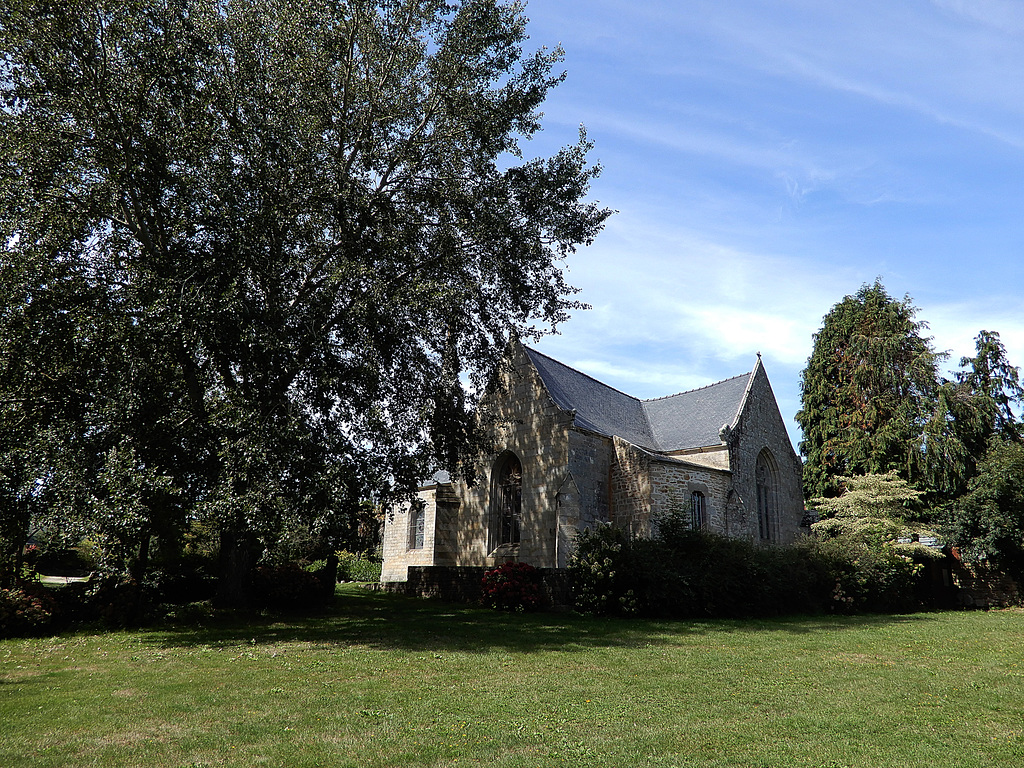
(687, 420)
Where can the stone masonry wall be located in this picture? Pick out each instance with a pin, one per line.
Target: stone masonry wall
(761, 426)
(530, 425)
(673, 482)
(590, 464)
(631, 488)
(397, 552)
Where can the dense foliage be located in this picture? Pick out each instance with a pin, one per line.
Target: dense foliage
(250, 253)
(873, 401)
(866, 392)
(681, 573)
(513, 587)
(987, 524)
(890, 444)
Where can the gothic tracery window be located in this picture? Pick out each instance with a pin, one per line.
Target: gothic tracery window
(508, 500)
(767, 512)
(698, 511)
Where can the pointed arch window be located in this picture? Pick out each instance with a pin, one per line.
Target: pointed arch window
(508, 500)
(698, 511)
(767, 505)
(417, 524)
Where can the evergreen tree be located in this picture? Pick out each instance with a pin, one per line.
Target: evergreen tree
(867, 392)
(971, 411)
(990, 375)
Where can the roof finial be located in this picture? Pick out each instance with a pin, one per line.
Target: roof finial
(759, 354)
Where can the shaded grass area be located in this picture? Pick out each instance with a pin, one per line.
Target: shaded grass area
(384, 680)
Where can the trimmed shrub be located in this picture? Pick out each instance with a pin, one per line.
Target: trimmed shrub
(513, 587)
(864, 577)
(682, 573)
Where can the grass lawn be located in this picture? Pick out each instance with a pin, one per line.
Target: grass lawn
(390, 681)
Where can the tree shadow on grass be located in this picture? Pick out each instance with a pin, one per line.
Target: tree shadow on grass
(387, 621)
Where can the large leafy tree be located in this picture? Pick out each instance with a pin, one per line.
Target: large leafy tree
(987, 523)
(263, 246)
(867, 392)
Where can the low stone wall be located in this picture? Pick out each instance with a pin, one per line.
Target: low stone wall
(463, 584)
(981, 587)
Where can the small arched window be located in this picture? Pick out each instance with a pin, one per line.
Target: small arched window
(698, 511)
(417, 524)
(767, 512)
(508, 500)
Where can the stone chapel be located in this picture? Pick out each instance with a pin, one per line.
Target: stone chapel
(572, 453)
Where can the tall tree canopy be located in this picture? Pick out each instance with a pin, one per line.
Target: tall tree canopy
(987, 523)
(252, 249)
(867, 392)
(874, 402)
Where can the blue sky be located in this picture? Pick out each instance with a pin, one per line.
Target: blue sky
(768, 158)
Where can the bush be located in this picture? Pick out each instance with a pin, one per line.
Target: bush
(288, 587)
(25, 610)
(513, 587)
(864, 577)
(356, 566)
(194, 614)
(604, 572)
(681, 573)
(57, 560)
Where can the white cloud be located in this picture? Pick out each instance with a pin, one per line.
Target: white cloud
(769, 158)
(954, 327)
(1003, 15)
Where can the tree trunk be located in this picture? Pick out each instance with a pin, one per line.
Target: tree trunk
(239, 553)
(329, 575)
(141, 564)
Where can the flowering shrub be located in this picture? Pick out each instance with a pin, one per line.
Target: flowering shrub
(24, 611)
(513, 587)
(867, 577)
(30, 563)
(603, 572)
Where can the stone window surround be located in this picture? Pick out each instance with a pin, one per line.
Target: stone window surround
(506, 514)
(417, 524)
(698, 506)
(766, 478)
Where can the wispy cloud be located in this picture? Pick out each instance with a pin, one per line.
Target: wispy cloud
(1005, 16)
(769, 158)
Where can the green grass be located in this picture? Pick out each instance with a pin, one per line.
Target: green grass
(389, 681)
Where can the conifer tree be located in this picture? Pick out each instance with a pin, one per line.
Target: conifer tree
(867, 392)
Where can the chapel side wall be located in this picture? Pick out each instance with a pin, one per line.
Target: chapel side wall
(590, 464)
(530, 425)
(631, 488)
(398, 555)
(761, 426)
(672, 484)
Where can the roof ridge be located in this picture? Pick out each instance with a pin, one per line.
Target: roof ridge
(585, 375)
(697, 389)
